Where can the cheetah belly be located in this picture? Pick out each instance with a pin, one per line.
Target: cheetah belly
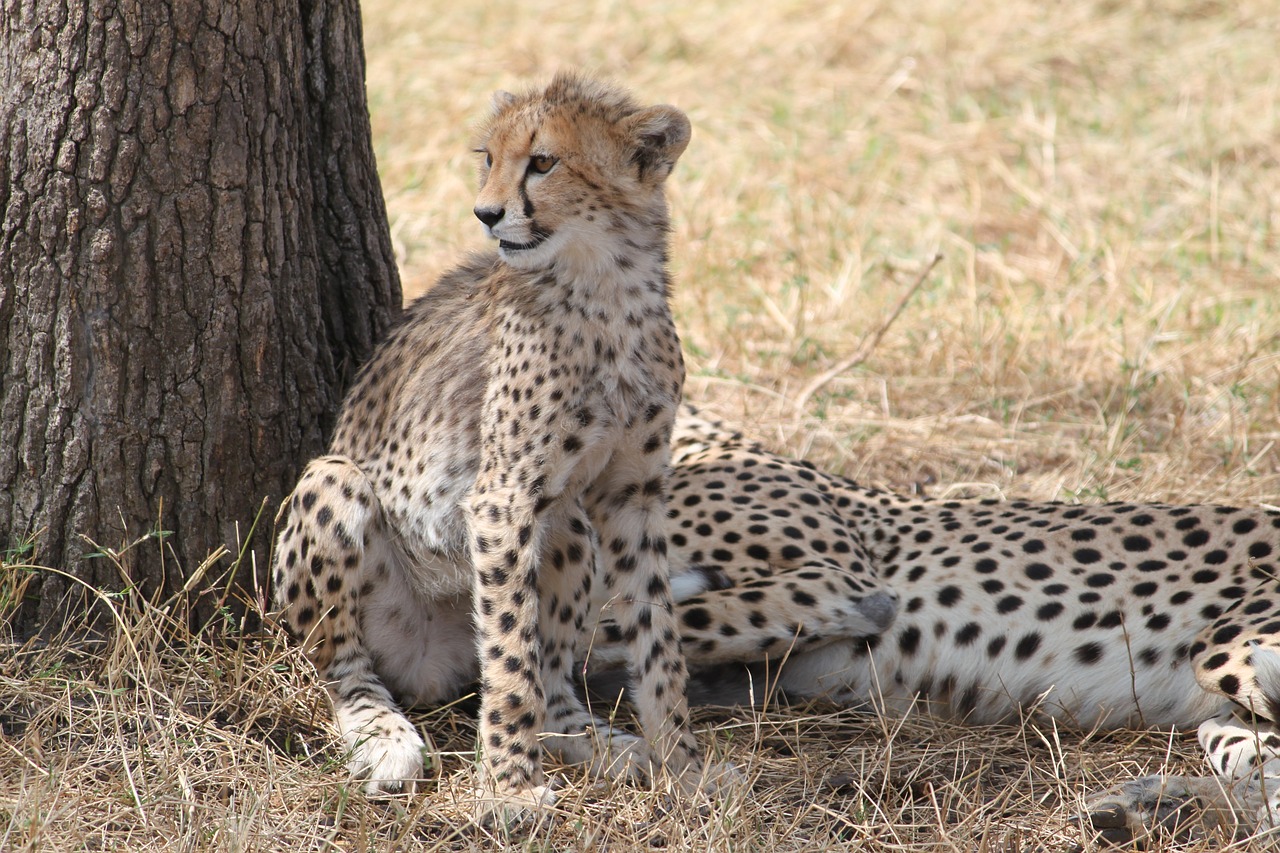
(967, 684)
(424, 650)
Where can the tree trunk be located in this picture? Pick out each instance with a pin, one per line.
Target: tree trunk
(194, 257)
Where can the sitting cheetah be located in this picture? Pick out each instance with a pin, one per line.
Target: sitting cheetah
(505, 453)
(1108, 615)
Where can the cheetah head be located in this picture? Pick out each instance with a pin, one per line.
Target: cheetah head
(568, 168)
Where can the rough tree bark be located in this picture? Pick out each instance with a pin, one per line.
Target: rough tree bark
(194, 257)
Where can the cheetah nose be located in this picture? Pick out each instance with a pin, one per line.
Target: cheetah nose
(490, 216)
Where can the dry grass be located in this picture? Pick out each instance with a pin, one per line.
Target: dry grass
(1101, 179)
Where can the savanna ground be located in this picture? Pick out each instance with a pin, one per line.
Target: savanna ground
(1101, 181)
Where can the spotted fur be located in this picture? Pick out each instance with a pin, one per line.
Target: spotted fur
(503, 457)
(1098, 615)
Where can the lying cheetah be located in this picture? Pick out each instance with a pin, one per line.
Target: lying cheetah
(505, 453)
(1108, 615)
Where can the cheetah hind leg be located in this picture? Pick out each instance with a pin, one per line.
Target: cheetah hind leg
(1243, 798)
(322, 561)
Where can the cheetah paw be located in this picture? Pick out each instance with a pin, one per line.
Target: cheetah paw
(618, 755)
(1155, 808)
(720, 779)
(606, 752)
(390, 762)
(515, 807)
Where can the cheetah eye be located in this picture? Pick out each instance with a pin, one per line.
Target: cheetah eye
(541, 163)
(488, 158)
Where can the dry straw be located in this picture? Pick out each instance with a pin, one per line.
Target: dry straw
(1101, 182)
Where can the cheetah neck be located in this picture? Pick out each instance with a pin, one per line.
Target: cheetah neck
(608, 308)
(622, 278)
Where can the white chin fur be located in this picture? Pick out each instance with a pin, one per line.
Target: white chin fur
(539, 256)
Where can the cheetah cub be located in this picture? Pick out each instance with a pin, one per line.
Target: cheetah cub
(505, 450)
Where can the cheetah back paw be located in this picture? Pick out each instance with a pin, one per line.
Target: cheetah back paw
(1152, 809)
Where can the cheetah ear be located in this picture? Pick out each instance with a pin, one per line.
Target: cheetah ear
(501, 100)
(659, 136)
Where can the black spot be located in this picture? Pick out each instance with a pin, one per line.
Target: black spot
(1027, 646)
(803, 598)
(1195, 538)
(1244, 525)
(792, 553)
(1229, 685)
(909, 640)
(1087, 556)
(966, 635)
(949, 595)
(1038, 572)
(1088, 653)
(1009, 604)
(697, 618)
(1226, 634)
(1049, 611)
(1137, 543)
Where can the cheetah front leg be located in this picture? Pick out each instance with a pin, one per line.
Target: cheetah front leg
(569, 566)
(506, 537)
(628, 505)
